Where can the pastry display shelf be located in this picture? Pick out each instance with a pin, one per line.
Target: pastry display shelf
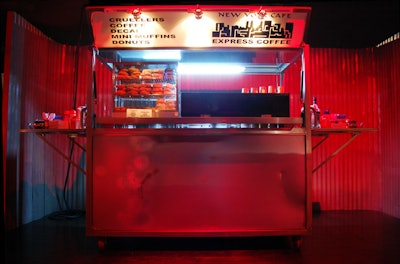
(146, 96)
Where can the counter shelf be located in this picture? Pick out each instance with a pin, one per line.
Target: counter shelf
(107, 121)
(195, 133)
(326, 132)
(70, 133)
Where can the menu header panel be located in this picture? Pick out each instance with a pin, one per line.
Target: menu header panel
(197, 27)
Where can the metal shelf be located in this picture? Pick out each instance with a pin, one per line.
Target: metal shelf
(326, 132)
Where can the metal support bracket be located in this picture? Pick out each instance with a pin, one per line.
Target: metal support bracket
(70, 133)
(325, 133)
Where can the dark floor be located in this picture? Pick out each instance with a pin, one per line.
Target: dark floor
(337, 237)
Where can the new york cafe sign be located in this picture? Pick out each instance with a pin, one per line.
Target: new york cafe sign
(244, 27)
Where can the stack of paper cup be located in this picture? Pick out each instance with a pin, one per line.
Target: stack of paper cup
(271, 89)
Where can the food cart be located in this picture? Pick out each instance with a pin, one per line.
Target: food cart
(199, 133)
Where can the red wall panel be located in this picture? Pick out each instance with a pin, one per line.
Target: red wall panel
(388, 79)
(343, 81)
(104, 90)
(41, 76)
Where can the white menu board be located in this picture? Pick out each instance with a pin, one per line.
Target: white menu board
(213, 27)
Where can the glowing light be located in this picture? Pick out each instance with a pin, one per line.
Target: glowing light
(261, 13)
(206, 68)
(163, 55)
(198, 13)
(199, 33)
(136, 13)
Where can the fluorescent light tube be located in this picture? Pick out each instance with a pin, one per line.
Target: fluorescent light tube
(206, 68)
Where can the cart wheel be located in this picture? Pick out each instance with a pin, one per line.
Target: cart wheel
(101, 244)
(296, 242)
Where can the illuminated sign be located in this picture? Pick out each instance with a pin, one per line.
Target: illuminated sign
(242, 27)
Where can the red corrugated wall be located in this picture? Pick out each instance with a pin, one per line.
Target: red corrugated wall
(103, 90)
(344, 81)
(388, 79)
(41, 76)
